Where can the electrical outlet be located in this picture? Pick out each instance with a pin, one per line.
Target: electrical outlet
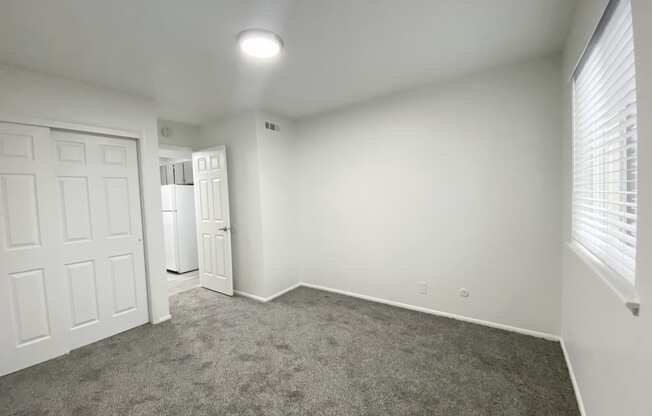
(422, 288)
(464, 293)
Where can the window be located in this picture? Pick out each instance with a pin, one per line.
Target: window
(605, 144)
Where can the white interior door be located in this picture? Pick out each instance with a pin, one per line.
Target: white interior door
(213, 221)
(102, 259)
(33, 314)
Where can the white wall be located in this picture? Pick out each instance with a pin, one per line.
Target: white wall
(182, 134)
(260, 190)
(609, 349)
(27, 95)
(455, 184)
(278, 210)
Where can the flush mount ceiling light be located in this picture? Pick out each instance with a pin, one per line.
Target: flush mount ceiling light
(260, 43)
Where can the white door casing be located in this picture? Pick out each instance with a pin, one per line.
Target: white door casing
(213, 219)
(102, 254)
(33, 318)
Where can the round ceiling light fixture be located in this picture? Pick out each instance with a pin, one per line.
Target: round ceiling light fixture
(260, 43)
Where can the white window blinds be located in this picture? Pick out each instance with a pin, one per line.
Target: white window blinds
(605, 143)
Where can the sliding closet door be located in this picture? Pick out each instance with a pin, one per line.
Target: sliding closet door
(72, 263)
(102, 257)
(33, 314)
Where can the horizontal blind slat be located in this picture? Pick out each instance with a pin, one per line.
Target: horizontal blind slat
(623, 262)
(604, 201)
(605, 145)
(593, 164)
(610, 243)
(617, 263)
(589, 173)
(601, 221)
(606, 211)
(611, 94)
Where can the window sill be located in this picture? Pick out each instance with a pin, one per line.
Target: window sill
(625, 291)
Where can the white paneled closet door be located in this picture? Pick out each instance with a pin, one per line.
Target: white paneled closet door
(102, 255)
(33, 297)
(72, 263)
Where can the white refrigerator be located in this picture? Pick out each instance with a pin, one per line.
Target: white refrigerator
(179, 228)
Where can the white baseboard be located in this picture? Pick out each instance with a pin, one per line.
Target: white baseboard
(250, 296)
(537, 334)
(571, 373)
(523, 331)
(282, 292)
(269, 298)
(162, 319)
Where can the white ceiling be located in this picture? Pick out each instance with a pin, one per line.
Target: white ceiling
(183, 53)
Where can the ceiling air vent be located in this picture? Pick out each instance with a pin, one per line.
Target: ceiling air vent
(272, 126)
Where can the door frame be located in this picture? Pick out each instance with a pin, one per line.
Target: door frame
(148, 221)
(170, 151)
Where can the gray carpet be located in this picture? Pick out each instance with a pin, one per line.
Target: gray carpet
(306, 353)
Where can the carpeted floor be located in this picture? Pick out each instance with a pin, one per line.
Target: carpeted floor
(306, 353)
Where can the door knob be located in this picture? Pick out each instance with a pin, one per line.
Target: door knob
(225, 229)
